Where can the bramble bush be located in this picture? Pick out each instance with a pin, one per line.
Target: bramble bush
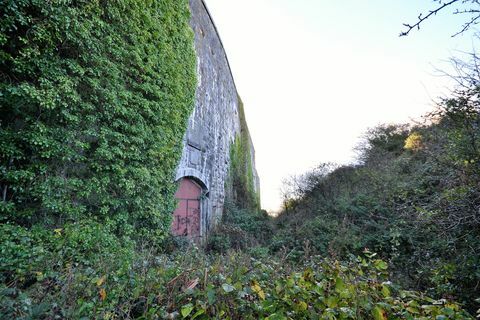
(413, 197)
(191, 285)
(240, 229)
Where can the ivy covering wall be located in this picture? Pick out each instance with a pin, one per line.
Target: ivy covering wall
(94, 99)
(241, 176)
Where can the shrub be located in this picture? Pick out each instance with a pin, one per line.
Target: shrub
(240, 287)
(191, 285)
(413, 198)
(240, 229)
(413, 142)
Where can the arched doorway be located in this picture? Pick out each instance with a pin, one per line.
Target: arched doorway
(187, 216)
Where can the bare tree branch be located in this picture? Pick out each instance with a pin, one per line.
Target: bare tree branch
(473, 21)
(473, 10)
(422, 18)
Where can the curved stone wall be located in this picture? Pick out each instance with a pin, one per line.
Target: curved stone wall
(215, 121)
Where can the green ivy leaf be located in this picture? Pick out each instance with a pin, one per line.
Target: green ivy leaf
(211, 296)
(332, 301)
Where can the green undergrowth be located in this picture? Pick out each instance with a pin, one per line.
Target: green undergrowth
(241, 229)
(187, 284)
(413, 197)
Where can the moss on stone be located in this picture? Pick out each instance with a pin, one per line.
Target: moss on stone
(241, 188)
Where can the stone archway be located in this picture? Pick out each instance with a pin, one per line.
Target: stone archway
(187, 218)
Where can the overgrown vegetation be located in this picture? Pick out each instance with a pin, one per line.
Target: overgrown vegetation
(94, 100)
(189, 284)
(241, 182)
(241, 229)
(95, 97)
(244, 225)
(414, 197)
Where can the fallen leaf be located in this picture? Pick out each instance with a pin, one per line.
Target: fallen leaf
(258, 290)
(103, 294)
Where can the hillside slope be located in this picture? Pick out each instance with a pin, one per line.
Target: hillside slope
(414, 198)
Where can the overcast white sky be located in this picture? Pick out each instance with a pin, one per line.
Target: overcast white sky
(315, 74)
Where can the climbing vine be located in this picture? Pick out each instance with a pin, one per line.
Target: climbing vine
(241, 175)
(94, 99)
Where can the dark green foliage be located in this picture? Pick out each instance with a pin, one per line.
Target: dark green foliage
(191, 285)
(417, 204)
(44, 271)
(240, 229)
(246, 288)
(22, 252)
(94, 99)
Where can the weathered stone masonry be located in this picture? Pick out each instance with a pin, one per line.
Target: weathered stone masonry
(215, 121)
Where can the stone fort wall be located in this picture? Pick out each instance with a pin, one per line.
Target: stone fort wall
(215, 121)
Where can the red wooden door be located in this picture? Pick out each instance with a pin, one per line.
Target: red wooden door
(186, 218)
